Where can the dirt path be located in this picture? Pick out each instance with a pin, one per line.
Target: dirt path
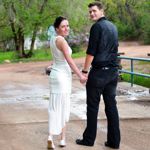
(24, 91)
(133, 49)
(130, 49)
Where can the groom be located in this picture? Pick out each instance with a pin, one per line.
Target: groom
(102, 79)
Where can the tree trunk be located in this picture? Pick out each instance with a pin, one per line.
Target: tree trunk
(14, 35)
(120, 12)
(21, 43)
(6, 6)
(33, 40)
(132, 15)
(17, 36)
(36, 29)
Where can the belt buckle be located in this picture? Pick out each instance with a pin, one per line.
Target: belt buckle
(105, 68)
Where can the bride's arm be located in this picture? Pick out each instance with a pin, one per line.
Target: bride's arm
(62, 45)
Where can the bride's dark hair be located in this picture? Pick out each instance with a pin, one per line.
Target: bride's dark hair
(58, 21)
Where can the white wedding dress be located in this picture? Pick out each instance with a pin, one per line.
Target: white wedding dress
(60, 81)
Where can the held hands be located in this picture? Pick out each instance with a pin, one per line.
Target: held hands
(83, 78)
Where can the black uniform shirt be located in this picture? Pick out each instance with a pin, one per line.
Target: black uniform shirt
(103, 43)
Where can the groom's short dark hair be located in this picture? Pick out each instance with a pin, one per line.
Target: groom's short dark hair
(96, 3)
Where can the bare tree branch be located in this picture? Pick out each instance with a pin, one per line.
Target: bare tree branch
(36, 27)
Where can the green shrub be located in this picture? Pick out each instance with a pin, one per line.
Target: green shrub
(126, 31)
(143, 81)
(76, 48)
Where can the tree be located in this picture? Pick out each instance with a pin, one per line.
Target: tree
(25, 18)
(131, 17)
(21, 22)
(30, 18)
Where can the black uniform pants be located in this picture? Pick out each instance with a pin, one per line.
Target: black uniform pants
(102, 82)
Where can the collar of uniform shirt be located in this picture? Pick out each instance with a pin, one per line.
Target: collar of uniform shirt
(102, 18)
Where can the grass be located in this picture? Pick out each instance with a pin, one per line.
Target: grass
(39, 55)
(143, 63)
(79, 54)
(139, 67)
(143, 81)
(6, 56)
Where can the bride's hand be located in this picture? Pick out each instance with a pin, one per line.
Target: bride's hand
(83, 79)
